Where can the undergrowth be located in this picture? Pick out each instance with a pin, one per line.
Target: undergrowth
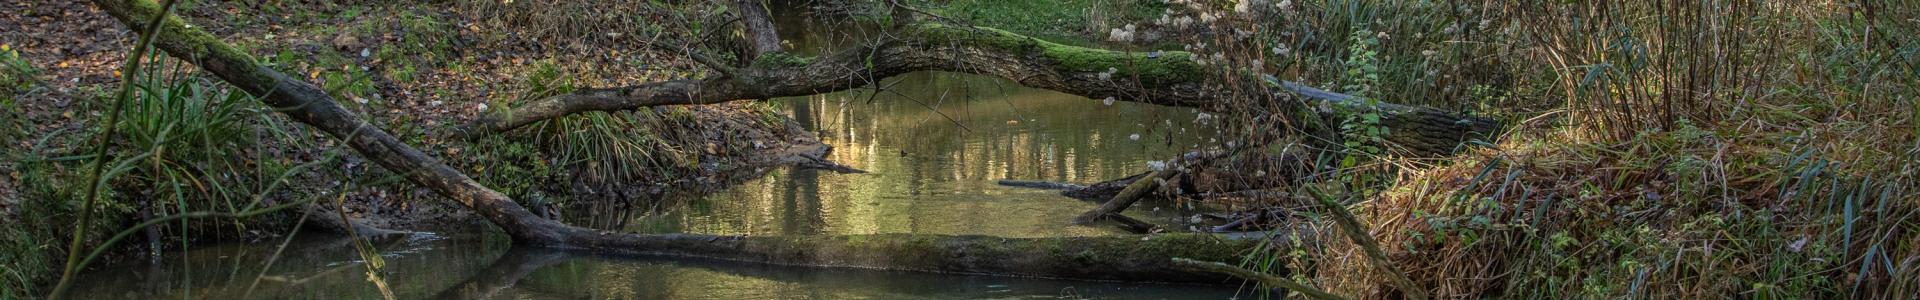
(1047, 18)
(185, 145)
(596, 154)
(1721, 149)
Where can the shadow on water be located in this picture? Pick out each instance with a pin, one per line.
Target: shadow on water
(481, 267)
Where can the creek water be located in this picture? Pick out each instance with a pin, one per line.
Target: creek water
(933, 171)
(935, 143)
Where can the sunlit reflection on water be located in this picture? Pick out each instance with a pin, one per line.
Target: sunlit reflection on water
(935, 151)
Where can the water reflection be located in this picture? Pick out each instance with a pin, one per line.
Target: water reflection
(319, 267)
(935, 143)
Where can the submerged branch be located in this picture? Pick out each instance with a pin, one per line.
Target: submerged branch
(1138, 189)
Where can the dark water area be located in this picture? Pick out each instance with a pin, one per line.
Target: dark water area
(439, 267)
(935, 143)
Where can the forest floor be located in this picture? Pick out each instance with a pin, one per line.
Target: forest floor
(413, 69)
(416, 70)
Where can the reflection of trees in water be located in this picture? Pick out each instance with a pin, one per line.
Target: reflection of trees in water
(927, 136)
(1009, 131)
(921, 154)
(803, 214)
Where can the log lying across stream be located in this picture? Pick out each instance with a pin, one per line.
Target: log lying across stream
(1115, 258)
(1172, 78)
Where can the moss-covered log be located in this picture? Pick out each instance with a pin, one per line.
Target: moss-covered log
(1132, 258)
(1171, 78)
(1120, 258)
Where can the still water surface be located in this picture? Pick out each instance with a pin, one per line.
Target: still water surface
(934, 142)
(933, 171)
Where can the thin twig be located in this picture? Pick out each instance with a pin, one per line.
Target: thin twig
(1359, 235)
(103, 144)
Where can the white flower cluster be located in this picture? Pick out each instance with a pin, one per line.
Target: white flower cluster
(1175, 22)
(1123, 34)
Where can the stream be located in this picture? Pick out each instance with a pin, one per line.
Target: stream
(935, 144)
(929, 175)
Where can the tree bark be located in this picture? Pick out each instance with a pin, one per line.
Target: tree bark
(758, 25)
(1170, 78)
(1112, 258)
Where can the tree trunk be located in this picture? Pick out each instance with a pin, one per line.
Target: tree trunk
(1166, 78)
(758, 27)
(1132, 258)
(1112, 258)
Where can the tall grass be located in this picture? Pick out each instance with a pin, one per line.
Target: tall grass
(170, 148)
(595, 155)
(1657, 149)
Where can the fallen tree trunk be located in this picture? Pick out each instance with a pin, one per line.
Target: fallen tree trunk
(1171, 78)
(1131, 258)
(1104, 190)
(1115, 258)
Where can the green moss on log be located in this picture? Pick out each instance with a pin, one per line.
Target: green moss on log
(780, 59)
(188, 42)
(1109, 258)
(1163, 67)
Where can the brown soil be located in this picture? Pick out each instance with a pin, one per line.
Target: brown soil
(78, 48)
